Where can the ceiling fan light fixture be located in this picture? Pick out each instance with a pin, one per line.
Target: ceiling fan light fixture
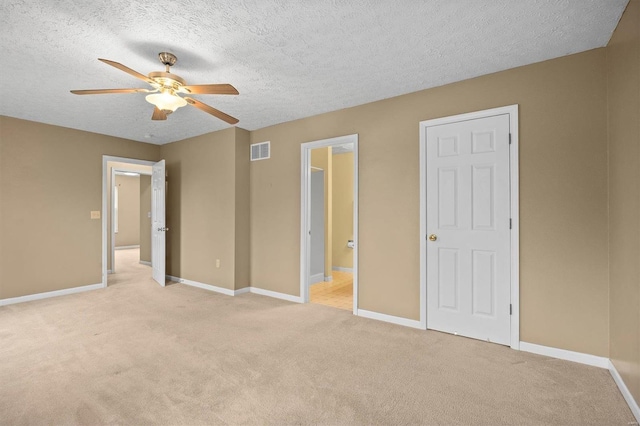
(166, 101)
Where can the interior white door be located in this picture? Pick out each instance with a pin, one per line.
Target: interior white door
(316, 212)
(158, 223)
(468, 228)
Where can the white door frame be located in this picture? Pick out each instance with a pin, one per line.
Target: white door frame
(114, 172)
(305, 211)
(512, 110)
(105, 170)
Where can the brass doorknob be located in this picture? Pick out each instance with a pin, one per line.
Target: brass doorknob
(433, 237)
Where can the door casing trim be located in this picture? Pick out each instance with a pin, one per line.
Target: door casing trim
(512, 111)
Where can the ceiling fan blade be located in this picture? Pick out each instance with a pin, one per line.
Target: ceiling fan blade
(211, 89)
(128, 70)
(106, 91)
(211, 110)
(158, 114)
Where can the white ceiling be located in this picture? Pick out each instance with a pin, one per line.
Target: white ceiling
(288, 59)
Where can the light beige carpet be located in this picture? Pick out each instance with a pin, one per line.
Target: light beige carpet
(136, 353)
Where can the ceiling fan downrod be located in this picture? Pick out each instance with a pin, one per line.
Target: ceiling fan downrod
(168, 59)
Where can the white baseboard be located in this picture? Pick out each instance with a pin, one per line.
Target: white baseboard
(328, 278)
(229, 292)
(144, 262)
(127, 247)
(579, 357)
(46, 295)
(626, 393)
(222, 290)
(316, 278)
(110, 271)
(283, 296)
(342, 269)
(203, 286)
(389, 318)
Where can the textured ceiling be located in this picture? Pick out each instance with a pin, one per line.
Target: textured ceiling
(288, 59)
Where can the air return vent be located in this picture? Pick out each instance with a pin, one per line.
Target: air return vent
(260, 151)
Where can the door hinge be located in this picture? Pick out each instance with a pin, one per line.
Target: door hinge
(510, 223)
(510, 309)
(509, 138)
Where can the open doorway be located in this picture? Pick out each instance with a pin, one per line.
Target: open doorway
(133, 220)
(130, 211)
(130, 221)
(329, 222)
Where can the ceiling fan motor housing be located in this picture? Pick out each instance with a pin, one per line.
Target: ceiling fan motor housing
(167, 80)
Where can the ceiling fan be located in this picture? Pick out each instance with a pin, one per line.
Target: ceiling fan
(167, 87)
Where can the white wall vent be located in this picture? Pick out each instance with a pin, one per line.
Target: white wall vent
(260, 151)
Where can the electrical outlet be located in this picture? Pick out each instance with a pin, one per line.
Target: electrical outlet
(217, 263)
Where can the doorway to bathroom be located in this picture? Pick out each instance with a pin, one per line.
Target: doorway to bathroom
(329, 222)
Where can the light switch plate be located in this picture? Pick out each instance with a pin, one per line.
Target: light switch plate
(95, 214)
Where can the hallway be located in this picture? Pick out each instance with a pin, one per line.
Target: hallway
(129, 269)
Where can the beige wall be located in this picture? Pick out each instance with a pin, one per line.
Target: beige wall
(623, 78)
(50, 181)
(201, 208)
(342, 210)
(563, 176)
(145, 219)
(128, 210)
(323, 159)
